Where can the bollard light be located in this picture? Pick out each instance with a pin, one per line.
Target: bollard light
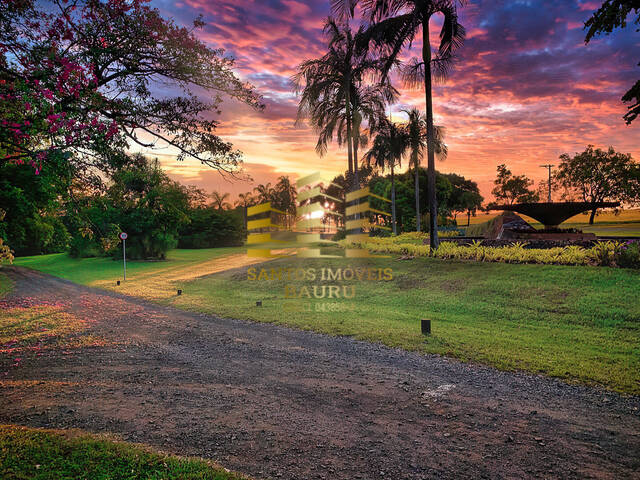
(426, 327)
(179, 292)
(259, 303)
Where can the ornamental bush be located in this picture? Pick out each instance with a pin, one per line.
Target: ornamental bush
(602, 254)
(6, 256)
(628, 256)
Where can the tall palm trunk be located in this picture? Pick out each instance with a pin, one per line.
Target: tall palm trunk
(393, 202)
(417, 189)
(431, 168)
(348, 115)
(356, 180)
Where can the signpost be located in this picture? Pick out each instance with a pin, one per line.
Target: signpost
(123, 237)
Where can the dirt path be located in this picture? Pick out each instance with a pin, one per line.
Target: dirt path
(280, 403)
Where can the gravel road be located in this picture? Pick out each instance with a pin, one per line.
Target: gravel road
(273, 402)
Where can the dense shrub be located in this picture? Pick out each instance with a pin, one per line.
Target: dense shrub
(209, 228)
(603, 253)
(6, 256)
(84, 247)
(340, 235)
(31, 205)
(149, 245)
(628, 254)
(140, 200)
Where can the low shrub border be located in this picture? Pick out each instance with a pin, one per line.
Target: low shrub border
(609, 253)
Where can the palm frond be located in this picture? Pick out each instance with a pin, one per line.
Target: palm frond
(452, 34)
(343, 9)
(412, 73)
(376, 10)
(391, 35)
(441, 67)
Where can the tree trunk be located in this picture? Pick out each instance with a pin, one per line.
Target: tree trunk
(417, 189)
(593, 216)
(393, 202)
(468, 217)
(431, 168)
(356, 179)
(348, 114)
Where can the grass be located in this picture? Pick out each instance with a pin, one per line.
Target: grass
(5, 285)
(89, 270)
(577, 323)
(27, 453)
(581, 324)
(626, 223)
(153, 280)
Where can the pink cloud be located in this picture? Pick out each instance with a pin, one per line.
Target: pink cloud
(524, 90)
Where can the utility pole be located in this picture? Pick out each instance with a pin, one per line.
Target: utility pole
(549, 166)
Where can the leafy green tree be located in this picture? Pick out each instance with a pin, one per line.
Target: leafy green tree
(140, 200)
(513, 188)
(33, 207)
(465, 196)
(611, 15)
(405, 196)
(209, 227)
(597, 175)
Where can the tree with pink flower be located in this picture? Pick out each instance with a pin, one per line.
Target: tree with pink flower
(90, 78)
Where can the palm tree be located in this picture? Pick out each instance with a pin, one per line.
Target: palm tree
(284, 199)
(387, 150)
(416, 131)
(332, 95)
(220, 200)
(395, 25)
(265, 193)
(245, 200)
(368, 103)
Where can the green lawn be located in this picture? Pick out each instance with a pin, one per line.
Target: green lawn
(577, 323)
(27, 453)
(89, 270)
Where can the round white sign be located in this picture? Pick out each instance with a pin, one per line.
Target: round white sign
(123, 236)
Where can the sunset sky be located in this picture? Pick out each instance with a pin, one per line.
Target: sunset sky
(525, 88)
